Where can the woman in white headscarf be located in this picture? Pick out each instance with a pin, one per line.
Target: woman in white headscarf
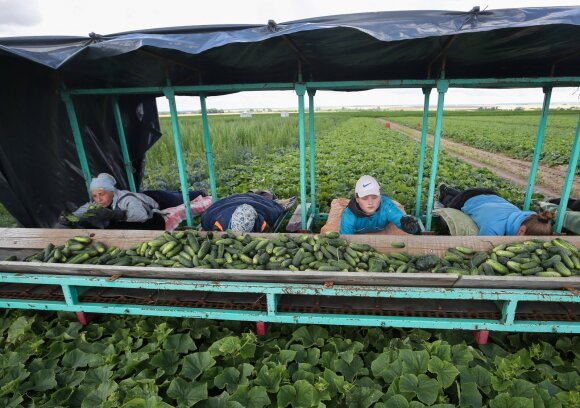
(117, 205)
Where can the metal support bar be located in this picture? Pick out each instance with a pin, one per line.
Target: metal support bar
(508, 311)
(170, 95)
(300, 91)
(307, 318)
(442, 87)
(123, 143)
(344, 85)
(538, 149)
(74, 124)
(71, 295)
(73, 286)
(272, 303)
(424, 128)
(208, 152)
(395, 292)
(313, 209)
(569, 180)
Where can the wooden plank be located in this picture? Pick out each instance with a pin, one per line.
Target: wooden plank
(515, 282)
(438, 245)
(313, 277)
(38, 238)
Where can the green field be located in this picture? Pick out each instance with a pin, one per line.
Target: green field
(50, 360)
(512, 133)
(262, 151)
(141, 362)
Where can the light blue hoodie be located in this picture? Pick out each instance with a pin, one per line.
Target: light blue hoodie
(355, 221)
(495, 215)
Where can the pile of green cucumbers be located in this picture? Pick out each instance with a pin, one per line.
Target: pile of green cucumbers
(320, 252)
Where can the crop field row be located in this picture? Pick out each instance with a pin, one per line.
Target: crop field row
(354, 147)
(262, 152)
(130, 362)
(511, 133)
(234, 140)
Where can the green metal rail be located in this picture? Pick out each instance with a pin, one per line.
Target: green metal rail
(74, 286)
(301, 88)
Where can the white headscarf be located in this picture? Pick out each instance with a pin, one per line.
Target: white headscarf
(104, 181)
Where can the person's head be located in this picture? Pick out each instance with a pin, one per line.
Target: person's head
(243, 218)
(537, 224)
(368, 194)
(103, 189)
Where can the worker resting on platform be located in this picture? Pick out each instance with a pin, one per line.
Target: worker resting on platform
(370, 211)
(493, 214)
(247, 212)
(121, 209)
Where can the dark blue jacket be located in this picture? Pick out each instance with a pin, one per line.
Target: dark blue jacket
(218, 216)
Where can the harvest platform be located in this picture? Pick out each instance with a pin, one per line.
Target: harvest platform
(410, 300)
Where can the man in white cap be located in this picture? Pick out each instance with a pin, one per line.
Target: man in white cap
(370, 211)
(112, 204)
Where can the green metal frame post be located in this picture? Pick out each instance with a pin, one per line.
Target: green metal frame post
(208, 152)
(123, 143)
(538, 148)
(442, 87)
(300, 91)
(569, 180)
(424, 128)
(170, 95)
(74, 124)
(313, 209)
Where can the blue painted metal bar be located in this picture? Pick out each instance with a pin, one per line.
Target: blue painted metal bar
(77, 284)
(272, 303)
(423, 149)
(403, 292)
(344, 85)
(300, 91)
(170, 95)
(569, 180)
(335, 319)
(538, 149)
(208, 152)
(313, 209)
(508, 311)
(71, 296)
(123, 143)
(74, 124)
(442, 87)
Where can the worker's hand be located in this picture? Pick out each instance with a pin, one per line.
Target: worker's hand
(67, 220)
(410, 224)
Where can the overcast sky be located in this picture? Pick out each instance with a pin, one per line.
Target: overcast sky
(80, 17)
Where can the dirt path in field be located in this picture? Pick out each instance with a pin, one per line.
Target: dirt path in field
(549, 180)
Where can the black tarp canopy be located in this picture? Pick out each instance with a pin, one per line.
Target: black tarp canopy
(39, 169)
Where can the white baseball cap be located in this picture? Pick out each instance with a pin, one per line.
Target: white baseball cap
(367, 185)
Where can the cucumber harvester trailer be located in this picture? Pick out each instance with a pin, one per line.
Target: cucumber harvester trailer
(93, 106)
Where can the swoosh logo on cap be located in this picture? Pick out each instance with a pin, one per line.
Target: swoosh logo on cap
(366, 185)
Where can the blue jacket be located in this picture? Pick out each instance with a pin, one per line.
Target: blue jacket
(495, 215)
(218, 216)
(354, 221)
